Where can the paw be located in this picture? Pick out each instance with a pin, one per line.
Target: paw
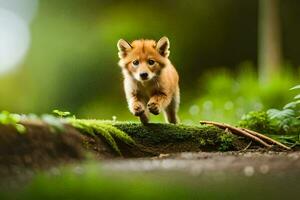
(144, 119)
(138, 109)
(153, 108)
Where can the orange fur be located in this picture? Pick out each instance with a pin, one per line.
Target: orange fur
(150, 80)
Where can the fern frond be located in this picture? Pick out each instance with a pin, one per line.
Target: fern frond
(280, 114)
(295, 87)
(297, 96)
(292, 104)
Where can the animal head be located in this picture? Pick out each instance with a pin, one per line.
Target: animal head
(143, 59)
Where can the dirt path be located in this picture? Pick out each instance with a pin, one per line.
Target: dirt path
(201, 175)
(247, 163)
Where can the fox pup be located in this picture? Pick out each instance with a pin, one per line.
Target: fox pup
(150, 80)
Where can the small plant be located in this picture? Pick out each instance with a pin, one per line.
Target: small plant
(226, 141)
(7, 118)
(281, 124)
(257, 121)
(287, 120)
(61, 114)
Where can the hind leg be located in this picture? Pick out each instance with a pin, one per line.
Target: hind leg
(171, 111)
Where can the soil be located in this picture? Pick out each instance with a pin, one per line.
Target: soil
(39, 147)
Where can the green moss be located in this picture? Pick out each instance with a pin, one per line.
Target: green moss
(169, 133)
(202, 142)
(103, 128)
(155, 134)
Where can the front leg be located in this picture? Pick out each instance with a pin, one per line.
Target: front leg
(158, 102)
(135, 104)
(137, 108)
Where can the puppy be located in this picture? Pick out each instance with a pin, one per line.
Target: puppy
(150, 79)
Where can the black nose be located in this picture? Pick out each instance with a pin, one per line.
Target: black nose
(144, 75)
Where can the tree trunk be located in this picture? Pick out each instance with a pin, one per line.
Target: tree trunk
(269, 40)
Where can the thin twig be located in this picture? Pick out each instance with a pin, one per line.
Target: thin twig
(237, 131)
(247, 146)
(292, 146)
(266, 138)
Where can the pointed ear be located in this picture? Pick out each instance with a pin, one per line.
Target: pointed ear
(163, 46)
(123, 47)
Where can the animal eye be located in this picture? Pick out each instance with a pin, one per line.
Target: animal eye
(135, 62)
(151, 62)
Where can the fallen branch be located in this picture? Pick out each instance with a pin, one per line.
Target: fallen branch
(266, 138)
(247, 133)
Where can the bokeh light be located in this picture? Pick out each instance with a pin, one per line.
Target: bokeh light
(15, 18)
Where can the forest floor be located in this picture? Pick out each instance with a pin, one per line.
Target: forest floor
(156, 158)
(253, 174)
(245, 163)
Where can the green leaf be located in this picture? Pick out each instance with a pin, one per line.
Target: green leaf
(297, 96)
(296, 87)
(291, 104)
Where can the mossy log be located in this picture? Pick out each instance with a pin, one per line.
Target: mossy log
(40, 147)
(169, 138)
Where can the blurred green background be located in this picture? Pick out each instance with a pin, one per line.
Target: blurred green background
(63, 55)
